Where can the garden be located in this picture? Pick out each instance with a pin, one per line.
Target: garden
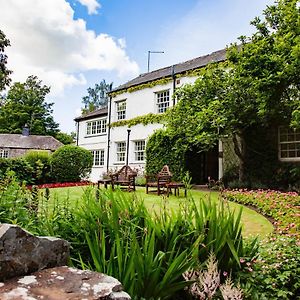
(203, 246)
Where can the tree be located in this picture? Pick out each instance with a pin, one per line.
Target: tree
(258, 86)
(25, 104)
(4, 72)
(97, 97)
(65, 138)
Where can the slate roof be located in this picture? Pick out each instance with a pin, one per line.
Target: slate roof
(97, 113)
(20, 141)
(180, 68)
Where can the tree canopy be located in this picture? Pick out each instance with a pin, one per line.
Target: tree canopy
(258, 85)
(4, 72)
(97, 97)
(25, 104)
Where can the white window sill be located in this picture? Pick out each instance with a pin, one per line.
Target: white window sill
(291, 159)
(94, 135)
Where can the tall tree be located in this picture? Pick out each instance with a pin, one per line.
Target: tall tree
(97, 97)
(259, 85)
(4, 72)
(25, 104)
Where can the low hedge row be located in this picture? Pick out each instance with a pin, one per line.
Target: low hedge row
(67, 164)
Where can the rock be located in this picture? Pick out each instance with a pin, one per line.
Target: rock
(22, 253)
(63, 283)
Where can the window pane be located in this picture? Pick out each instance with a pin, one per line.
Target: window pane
(163, 101)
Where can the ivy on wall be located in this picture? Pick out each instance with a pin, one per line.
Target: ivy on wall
(161, 149)
(144, 120)
(190, 73)
(150, 84)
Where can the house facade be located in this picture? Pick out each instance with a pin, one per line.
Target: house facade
(114, 143)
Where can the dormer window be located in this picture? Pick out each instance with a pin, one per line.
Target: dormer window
(121, 110)
(162, 101)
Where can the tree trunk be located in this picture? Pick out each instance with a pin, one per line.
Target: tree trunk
(240, 151)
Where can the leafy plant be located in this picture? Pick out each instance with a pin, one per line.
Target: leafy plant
(282, 207)
(71, 163)
(276, 272)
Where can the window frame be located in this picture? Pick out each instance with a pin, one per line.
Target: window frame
(96, 127)
(138, 152)
(293, 143)
(121, 152)
(4, 153)
(162, 106)
(121, 111)
(98, 158)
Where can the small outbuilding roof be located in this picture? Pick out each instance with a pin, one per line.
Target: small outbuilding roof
(38, 142)
(180, 68)
(91, 115)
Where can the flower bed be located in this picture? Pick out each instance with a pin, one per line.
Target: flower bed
(59, 185)
(284, 208)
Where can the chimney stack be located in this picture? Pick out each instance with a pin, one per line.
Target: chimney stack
(25, 131)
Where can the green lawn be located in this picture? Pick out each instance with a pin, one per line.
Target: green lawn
(253, 223)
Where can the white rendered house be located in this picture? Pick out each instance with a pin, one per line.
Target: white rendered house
(114, 146)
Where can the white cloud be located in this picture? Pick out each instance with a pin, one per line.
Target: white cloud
(92, 6)
(47, 42)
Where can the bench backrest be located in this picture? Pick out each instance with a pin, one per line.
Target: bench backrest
(164, 175)
(124, 173)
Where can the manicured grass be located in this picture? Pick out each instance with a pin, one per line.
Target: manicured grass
(253, 222)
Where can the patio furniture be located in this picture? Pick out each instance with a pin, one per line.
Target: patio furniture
(158, 181)
(105, 182)
(124, 177)
(176, 186)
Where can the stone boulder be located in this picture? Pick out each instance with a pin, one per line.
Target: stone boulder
(63, 283)
(22, 253)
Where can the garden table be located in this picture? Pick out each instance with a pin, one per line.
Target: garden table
(105, 182)
(175, 185)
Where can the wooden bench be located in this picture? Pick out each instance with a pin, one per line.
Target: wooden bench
(124, 177)
(159, 181)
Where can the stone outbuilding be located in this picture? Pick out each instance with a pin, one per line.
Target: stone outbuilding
(14, 145)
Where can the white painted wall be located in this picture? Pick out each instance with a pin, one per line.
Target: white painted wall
(93, 142)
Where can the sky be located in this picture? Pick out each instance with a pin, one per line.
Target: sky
(73, 44)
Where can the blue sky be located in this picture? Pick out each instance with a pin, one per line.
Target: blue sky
(73, 44)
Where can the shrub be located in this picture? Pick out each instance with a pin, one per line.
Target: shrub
(282, 207)
(40, 162)
(71, 163)
(276, 272)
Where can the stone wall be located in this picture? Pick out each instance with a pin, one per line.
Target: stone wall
(42, 260)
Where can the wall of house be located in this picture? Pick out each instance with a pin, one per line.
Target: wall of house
(93, 142)
(138, 103)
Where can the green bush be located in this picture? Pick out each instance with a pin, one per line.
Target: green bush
(22, 169)
(71, 163)
(276, 272)
(40, 162)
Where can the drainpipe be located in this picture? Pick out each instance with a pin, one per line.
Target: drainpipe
(77, 134)
(174, 84)
(127, 152)
(108, 133)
